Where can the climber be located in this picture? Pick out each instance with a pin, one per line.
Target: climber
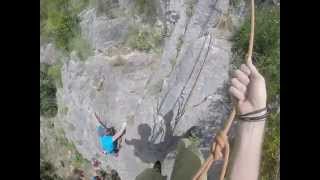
(110, 140)
(249, 89)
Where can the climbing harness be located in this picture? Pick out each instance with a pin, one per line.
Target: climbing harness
(221, 144)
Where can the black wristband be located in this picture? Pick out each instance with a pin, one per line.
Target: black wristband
(254, 119)
(253, 112)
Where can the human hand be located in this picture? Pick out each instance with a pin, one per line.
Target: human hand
(124, 125)
(249, 88)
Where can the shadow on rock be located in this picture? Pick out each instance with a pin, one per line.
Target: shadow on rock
(146, 149)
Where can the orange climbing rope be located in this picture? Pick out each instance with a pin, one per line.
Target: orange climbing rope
(221, 144)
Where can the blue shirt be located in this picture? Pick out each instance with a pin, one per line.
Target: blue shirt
(107, 143)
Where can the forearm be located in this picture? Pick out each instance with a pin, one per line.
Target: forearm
(119, 134)
(246, 153)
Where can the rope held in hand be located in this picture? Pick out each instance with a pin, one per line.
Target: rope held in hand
(221, 144)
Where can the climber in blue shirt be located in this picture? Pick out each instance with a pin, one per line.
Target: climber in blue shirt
(109, 139)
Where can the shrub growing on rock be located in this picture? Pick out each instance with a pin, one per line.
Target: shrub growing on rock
(48, 104)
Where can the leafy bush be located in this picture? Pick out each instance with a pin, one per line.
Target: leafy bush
(144, 38)
(266, 57)
(47, 171)
(48, 104)
(139, 41)
(146, 9)
(62, 28)
(266, 46)
(81, 46)
(77, 159)
(271, 157)
(54, 72)
(59, 21)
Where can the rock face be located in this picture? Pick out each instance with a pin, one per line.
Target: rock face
(160, 97)
(102, 32)
(48, 54)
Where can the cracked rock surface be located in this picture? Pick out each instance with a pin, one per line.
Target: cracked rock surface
(159, 96)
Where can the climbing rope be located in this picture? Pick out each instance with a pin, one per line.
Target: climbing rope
(221, 145)
(181, 101)
(182, 106)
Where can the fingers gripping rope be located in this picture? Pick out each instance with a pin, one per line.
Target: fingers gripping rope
(221, 147)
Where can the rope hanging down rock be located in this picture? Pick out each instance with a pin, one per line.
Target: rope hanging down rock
(221, 144)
